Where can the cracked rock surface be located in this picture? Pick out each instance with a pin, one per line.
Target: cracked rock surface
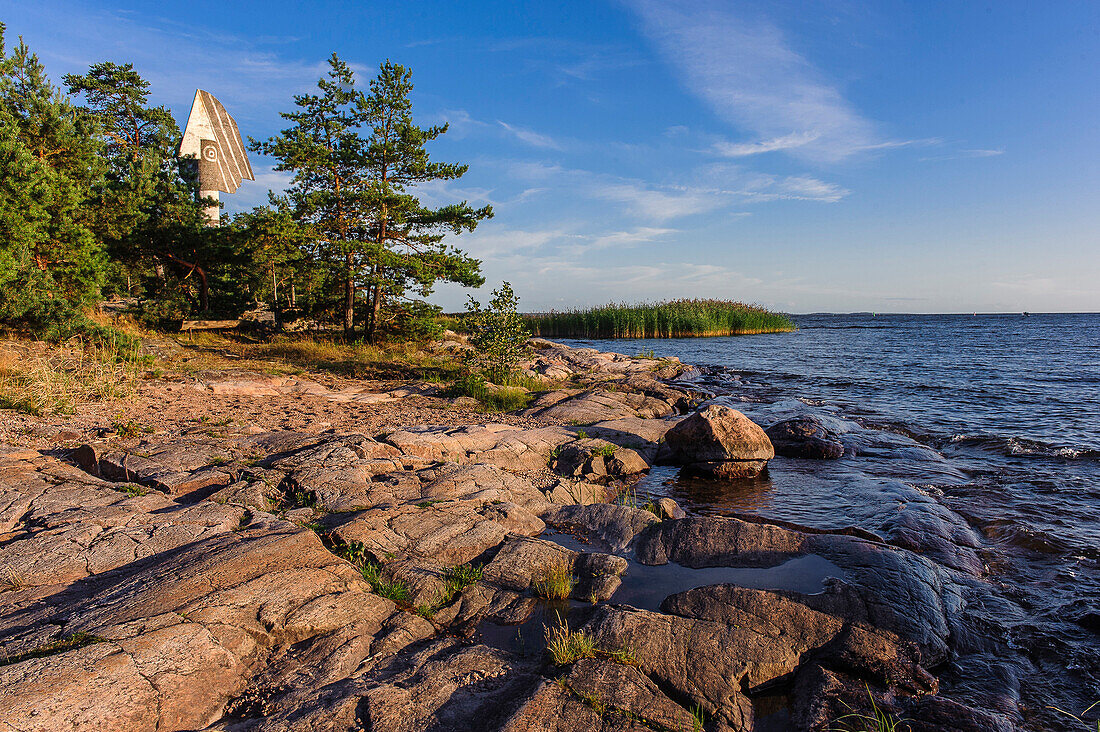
(291, 581)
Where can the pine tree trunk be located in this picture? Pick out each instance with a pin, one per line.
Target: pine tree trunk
(375, 310)
(349, 298)
(275, 297)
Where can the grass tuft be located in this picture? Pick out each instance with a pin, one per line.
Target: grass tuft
(554, 582)
(501, 399)
(391, 590)
(877, 721)
(604, 451)
(566, 646)
(671, 319)
(40, 379)
(1087, 724)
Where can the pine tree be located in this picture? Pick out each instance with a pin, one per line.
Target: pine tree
(50, 165)
(355, 157)
(407, 251)
(152, 221)
(279, 248)
(328, 192)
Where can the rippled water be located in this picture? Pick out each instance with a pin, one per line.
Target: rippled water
(973, 439)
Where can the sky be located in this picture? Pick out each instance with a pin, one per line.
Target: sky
(808, 156)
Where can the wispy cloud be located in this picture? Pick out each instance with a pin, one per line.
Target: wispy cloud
(964, 154)
(531, 137)
(747, 71)
(744, 149)
(711, 188)
(629, 238)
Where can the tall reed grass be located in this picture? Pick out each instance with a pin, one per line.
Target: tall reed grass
(671, 319)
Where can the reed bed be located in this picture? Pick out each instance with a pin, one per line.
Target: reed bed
(671, 319)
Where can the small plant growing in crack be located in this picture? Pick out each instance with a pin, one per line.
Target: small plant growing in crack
(554, 582)
(605, 451)
(67, 643)
(390, 589)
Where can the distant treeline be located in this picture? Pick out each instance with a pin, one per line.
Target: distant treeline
(95, 203)
(672, 319)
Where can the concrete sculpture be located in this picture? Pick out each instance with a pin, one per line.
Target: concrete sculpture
(211, 137)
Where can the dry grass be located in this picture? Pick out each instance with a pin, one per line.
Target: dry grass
(10, 580)
(39, 379)
(299, 353)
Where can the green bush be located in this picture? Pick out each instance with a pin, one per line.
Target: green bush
(498, 332)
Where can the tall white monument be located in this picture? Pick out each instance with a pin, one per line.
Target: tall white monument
(212, 138)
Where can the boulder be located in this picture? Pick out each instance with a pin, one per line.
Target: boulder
(804, 437)
(719, 442)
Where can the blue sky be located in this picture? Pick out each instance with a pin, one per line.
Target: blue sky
(810, 156)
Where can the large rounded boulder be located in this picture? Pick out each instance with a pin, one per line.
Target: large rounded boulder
(719, 442)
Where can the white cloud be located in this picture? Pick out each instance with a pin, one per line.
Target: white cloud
(711, 188)
(964, 154)
(744, 149)
(748, 73)
(530, 136)
(654, 204)
(629, 238)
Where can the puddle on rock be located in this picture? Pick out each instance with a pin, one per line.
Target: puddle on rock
(528, 639)
(645, 587)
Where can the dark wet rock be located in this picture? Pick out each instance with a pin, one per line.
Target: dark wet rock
(718, 442)
(821, 698)
(1089, 621)
(886, 587)
(608, 525)
(804, 437)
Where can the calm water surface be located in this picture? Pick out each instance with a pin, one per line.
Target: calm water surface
(980, 432)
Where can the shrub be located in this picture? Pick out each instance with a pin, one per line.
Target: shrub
(497, 332)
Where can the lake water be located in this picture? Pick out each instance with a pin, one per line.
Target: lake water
(972, 433)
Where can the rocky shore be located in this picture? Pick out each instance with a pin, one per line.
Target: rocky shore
(411, 577)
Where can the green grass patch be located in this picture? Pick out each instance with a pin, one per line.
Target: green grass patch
(506, 399)
(554, 582)
(68, 643)
(392, 590)
(603, 451)
(566, 646)
(671, 319)
(877, 721)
